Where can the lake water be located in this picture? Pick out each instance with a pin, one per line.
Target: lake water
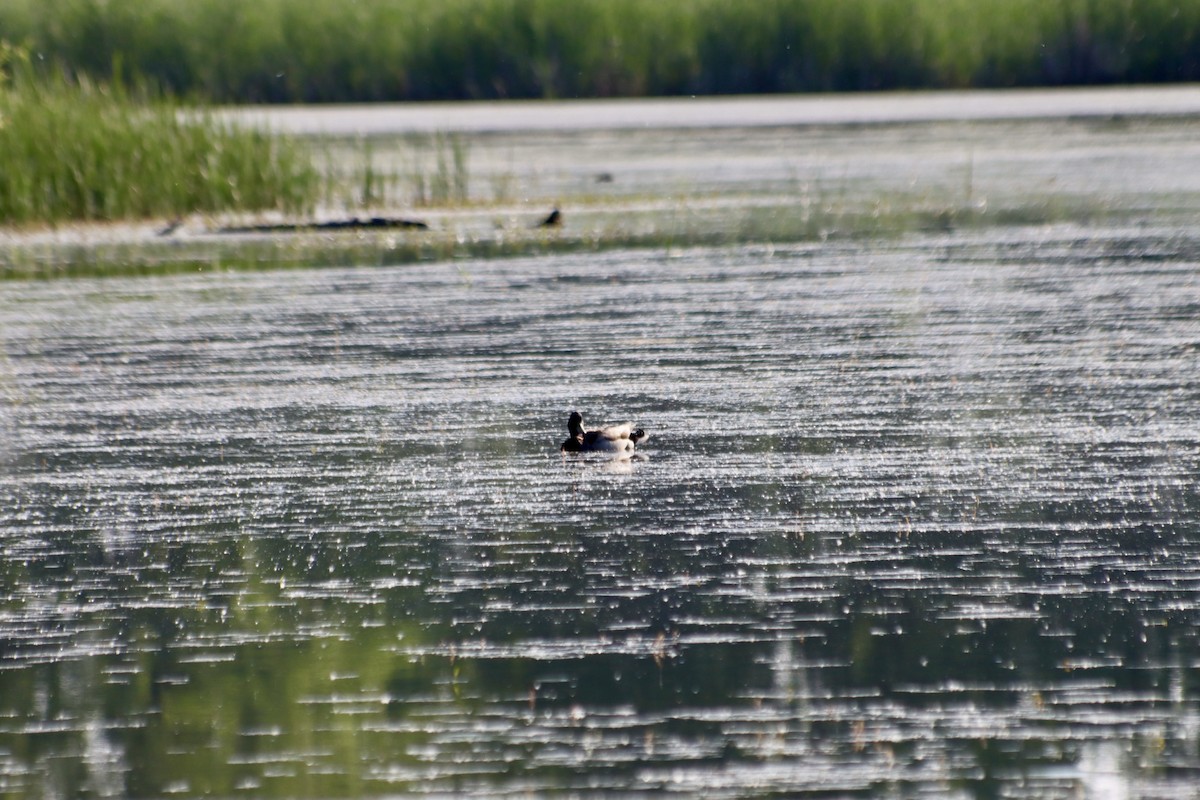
(916, 519)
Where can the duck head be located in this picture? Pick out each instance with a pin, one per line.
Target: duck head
(575, 424)
(574, 442)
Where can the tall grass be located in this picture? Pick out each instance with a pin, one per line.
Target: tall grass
(74, 149)
(330, 50)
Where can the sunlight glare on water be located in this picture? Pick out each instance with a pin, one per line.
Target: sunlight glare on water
(914, 521)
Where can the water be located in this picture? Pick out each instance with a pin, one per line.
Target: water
(915, 520)
(1180, 101)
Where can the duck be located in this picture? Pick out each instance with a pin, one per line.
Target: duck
(609, 439)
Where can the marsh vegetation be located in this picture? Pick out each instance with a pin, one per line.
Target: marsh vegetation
(284, 51)
(73, 149)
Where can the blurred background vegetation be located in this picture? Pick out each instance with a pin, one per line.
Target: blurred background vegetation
(367, 50)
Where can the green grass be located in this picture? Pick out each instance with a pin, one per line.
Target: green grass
(79, 150)
(75, 150)
(329, 50)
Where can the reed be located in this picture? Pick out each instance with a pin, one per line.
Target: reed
(75, 149)
(418, 170)
(326, 50)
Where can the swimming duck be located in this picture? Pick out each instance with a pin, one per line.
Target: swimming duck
(609, 439)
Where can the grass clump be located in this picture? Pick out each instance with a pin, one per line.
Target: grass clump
(73, 149)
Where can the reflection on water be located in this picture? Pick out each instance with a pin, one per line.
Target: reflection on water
(917, 521)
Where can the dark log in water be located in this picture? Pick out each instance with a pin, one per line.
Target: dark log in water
(351, 224)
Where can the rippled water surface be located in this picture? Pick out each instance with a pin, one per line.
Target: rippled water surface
(915, 520)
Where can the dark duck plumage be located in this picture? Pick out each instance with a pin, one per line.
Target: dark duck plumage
(609, 439)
